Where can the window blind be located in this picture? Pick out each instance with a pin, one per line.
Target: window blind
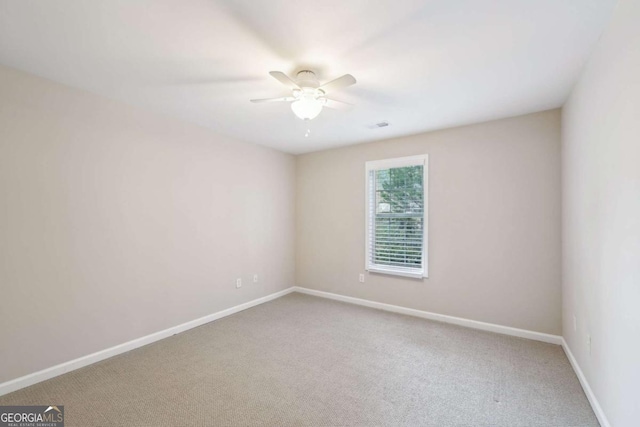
(396, 216)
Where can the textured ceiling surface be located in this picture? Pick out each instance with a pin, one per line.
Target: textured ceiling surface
(420, 65)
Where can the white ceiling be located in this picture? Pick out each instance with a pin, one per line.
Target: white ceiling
(420, 65)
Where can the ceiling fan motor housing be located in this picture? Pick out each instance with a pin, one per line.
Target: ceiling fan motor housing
(306, 78)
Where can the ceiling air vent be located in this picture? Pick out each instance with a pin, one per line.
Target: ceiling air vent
(379, 125)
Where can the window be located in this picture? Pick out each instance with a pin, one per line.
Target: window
(396, 223)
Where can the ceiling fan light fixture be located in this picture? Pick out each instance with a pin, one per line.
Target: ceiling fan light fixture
(307, 107)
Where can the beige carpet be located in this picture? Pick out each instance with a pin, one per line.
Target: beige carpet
(307, 361)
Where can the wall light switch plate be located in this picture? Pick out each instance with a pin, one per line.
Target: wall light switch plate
(238, 283)
(361, 278)
(255, 278)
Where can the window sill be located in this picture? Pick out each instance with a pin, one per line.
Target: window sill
(393, 272)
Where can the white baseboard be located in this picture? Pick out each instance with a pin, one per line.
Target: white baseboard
(62, 368)
(54, 371)
(506, 330)
(597, 409)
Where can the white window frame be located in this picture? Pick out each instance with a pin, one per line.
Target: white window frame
(422, 160)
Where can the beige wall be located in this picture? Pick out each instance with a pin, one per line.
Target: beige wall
(116, 223)
(494, 222)
(601, 218)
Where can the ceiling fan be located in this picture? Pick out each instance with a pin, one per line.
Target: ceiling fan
(308, 97)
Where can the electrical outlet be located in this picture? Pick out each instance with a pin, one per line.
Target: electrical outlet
(238, 283)
(361, 278)
(575, 324)
(255, 278)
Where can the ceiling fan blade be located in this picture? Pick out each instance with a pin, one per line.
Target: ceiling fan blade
(337, 105)
(284, 79)
(283, 99)
(339, 83)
